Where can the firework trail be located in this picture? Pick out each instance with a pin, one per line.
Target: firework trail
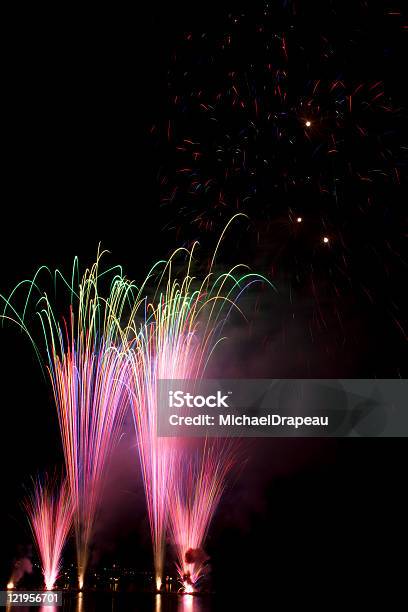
(50, 510)
(172, 337)
(85, 365)
(195, 495)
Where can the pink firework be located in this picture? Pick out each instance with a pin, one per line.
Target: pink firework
(50, 510)
(86, 368)
(88, 380)
(196, 493)
(89, 376)
(172, 337)
(156, 356)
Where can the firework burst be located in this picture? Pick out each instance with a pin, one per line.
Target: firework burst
(195, 496)
(172, 337)
(110, 352)
(85, 365)
(265, 115)
(50, 510)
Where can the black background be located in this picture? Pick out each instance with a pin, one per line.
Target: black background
(80, 92)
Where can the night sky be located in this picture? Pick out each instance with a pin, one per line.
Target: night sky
(149, 131)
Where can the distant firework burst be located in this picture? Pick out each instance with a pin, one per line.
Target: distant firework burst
(252, 126)
(268, 112)
(50, 509)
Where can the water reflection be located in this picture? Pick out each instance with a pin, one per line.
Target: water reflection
(186, 603)
(80, 603)
(192, 603)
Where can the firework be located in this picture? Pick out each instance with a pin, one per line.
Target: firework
(248, 127)
(195, 496)
(88, 380)
(85, 365)
(50, 510)
(173, 337)
(109, 352)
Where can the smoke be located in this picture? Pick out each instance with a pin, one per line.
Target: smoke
(195, 555)
(121, 523)
(279, 340)
(21, 566)
(199, 557)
